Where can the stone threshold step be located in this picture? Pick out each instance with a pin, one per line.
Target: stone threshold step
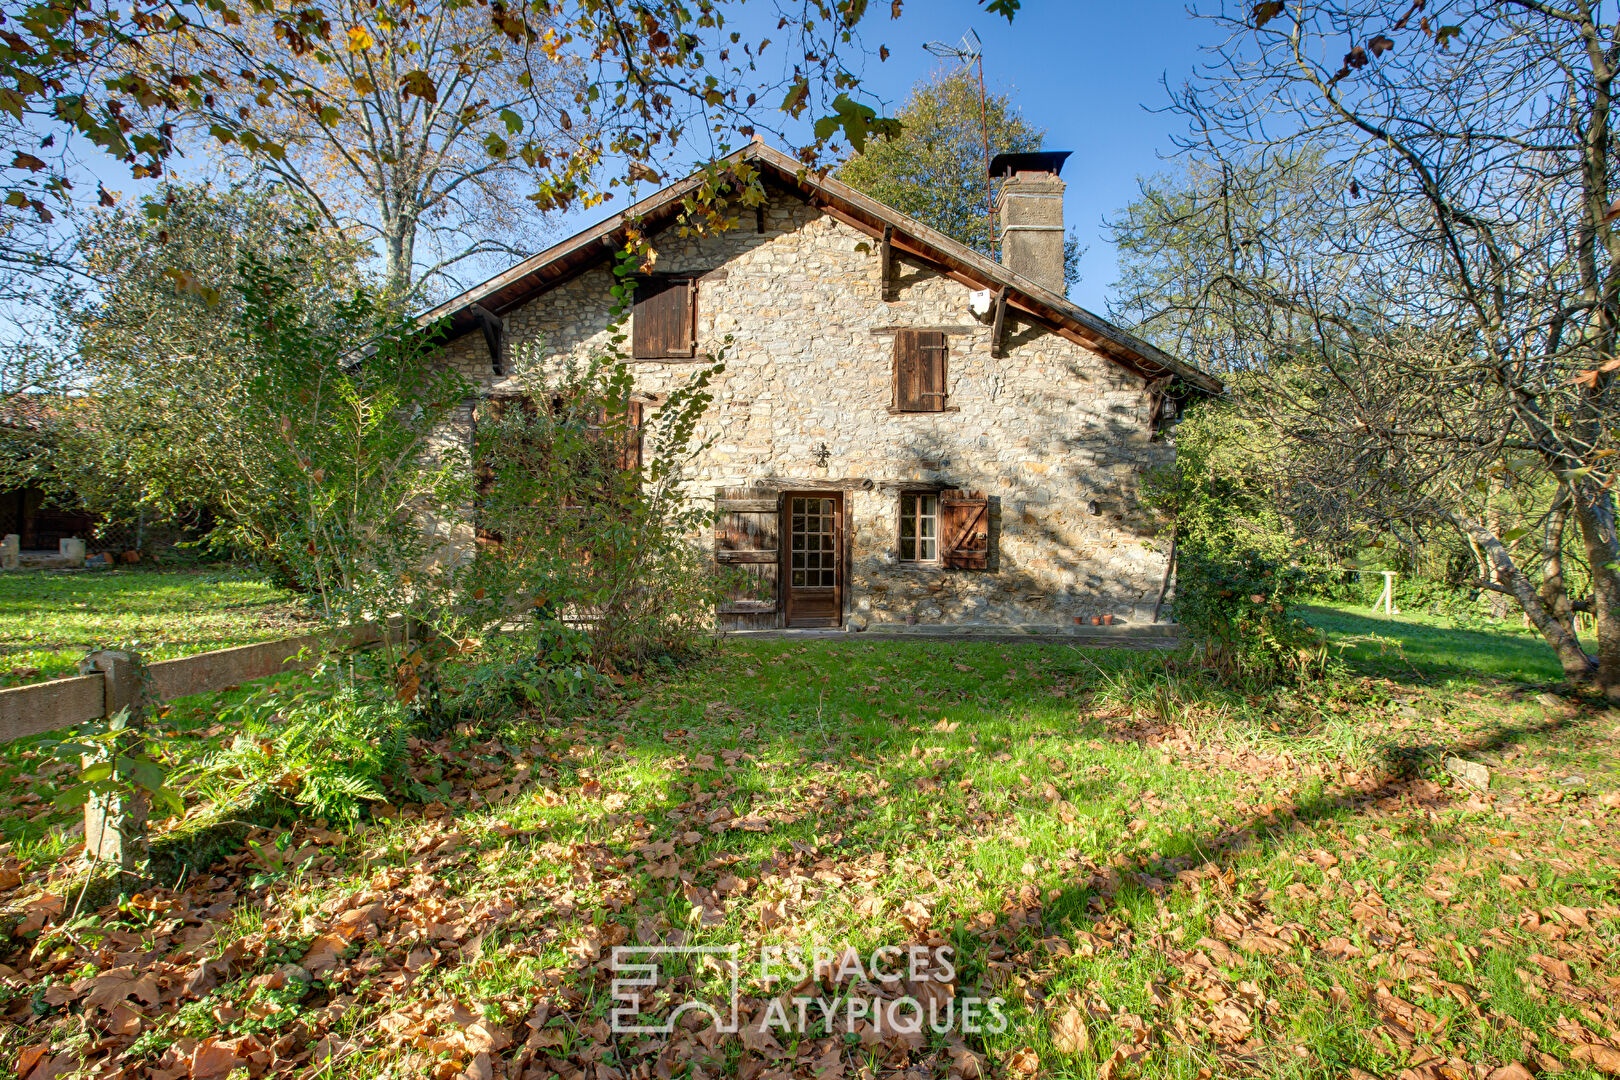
(1130, 634)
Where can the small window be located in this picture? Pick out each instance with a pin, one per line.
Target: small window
(664, 318)
(919, 527)
(919, 371)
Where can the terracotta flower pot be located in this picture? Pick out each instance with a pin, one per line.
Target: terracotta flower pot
(1096, 620)
(1108, 620)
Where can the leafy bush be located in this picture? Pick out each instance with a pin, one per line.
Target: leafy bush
(1238, 573)
(587, 533)
(546, 667)
(1239, 606)
(327, 751)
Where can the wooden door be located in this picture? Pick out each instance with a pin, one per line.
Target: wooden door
(814, 574)
(746, 547)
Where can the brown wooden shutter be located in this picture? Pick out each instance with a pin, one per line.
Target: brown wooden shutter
(919, 371)
(630, 448)
(664, 318)
(964, 530)
(747, 549)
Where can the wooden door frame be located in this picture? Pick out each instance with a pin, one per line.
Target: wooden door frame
(841, 545)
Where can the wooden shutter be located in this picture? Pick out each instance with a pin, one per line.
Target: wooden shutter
(495, 408)
(747, 549)
(630, 448)
(964, 530)
(664, 318)
(919, 371)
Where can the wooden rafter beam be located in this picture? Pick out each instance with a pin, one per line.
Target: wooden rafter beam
(886, 280)
(494, 328)
(1001, 320)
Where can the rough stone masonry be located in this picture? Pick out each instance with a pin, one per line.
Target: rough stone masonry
(1055, 434)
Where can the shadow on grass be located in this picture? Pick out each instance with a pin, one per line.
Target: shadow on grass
(1398, 647)
(937, 730)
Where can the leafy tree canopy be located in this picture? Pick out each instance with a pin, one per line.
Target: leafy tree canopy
(169, 413)
(124, 77)
(935, 168)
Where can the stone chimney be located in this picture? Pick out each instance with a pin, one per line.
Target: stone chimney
(1029, 215)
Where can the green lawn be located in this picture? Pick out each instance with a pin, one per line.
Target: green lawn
(1434, 645)
(1155, 876)
(50, 618)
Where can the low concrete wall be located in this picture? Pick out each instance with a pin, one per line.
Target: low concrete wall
(62, 703)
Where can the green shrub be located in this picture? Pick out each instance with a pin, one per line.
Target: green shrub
(588, 521)
(327, 752)
(548, 667)
(1239, 606)
(1238, 571)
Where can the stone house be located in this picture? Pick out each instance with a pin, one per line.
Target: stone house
(906, 432)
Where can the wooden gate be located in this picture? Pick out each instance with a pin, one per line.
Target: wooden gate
(747, 548)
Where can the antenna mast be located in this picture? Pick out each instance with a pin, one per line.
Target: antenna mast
(971, 52)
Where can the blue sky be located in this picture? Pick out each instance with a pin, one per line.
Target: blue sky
(1087, 72)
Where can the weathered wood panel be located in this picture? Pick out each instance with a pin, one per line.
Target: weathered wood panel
(47, 706)
(747, 546)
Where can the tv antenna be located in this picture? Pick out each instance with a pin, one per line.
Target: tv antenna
(970, 52)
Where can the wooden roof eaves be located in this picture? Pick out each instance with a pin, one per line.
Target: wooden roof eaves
(589, 248)
(982, 272)
(594, 244)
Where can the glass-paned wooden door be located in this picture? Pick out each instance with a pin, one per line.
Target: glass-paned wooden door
(815, 559)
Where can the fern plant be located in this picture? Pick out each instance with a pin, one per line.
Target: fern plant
(327, 752)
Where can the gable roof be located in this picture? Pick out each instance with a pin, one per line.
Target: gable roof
(565, 260)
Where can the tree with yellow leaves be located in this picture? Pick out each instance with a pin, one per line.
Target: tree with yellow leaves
(401, 130)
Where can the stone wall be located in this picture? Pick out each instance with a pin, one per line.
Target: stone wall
(1051, 431)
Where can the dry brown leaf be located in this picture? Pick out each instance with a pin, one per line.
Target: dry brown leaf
(29, 1057)
(1023, 1062)
(830, 1065)
(1554, 967)
(117, 985)
(1602, 1058)
(1069, 1032)
(323, 953)
(212, 1058)
(1512, 1071)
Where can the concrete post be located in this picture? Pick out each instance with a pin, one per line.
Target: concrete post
(115, 823)
(11, 552)
(71, 548)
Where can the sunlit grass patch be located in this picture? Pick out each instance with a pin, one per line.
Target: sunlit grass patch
(1158, 875)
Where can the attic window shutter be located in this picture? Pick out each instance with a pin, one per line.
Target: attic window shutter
(964, 529)
(664, 318)
(919, 371)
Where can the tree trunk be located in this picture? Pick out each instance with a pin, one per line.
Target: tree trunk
(1594, 511)
(1554, 590)
(399, 258)
(1578, 666)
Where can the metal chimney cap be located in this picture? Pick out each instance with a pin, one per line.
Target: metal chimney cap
(1050, 161)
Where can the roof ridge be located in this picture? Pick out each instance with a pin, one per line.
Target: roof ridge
(1151, 361)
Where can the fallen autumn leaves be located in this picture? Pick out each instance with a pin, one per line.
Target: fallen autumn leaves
(1150, 890)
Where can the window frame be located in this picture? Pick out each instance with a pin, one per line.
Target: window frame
(935, 563)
